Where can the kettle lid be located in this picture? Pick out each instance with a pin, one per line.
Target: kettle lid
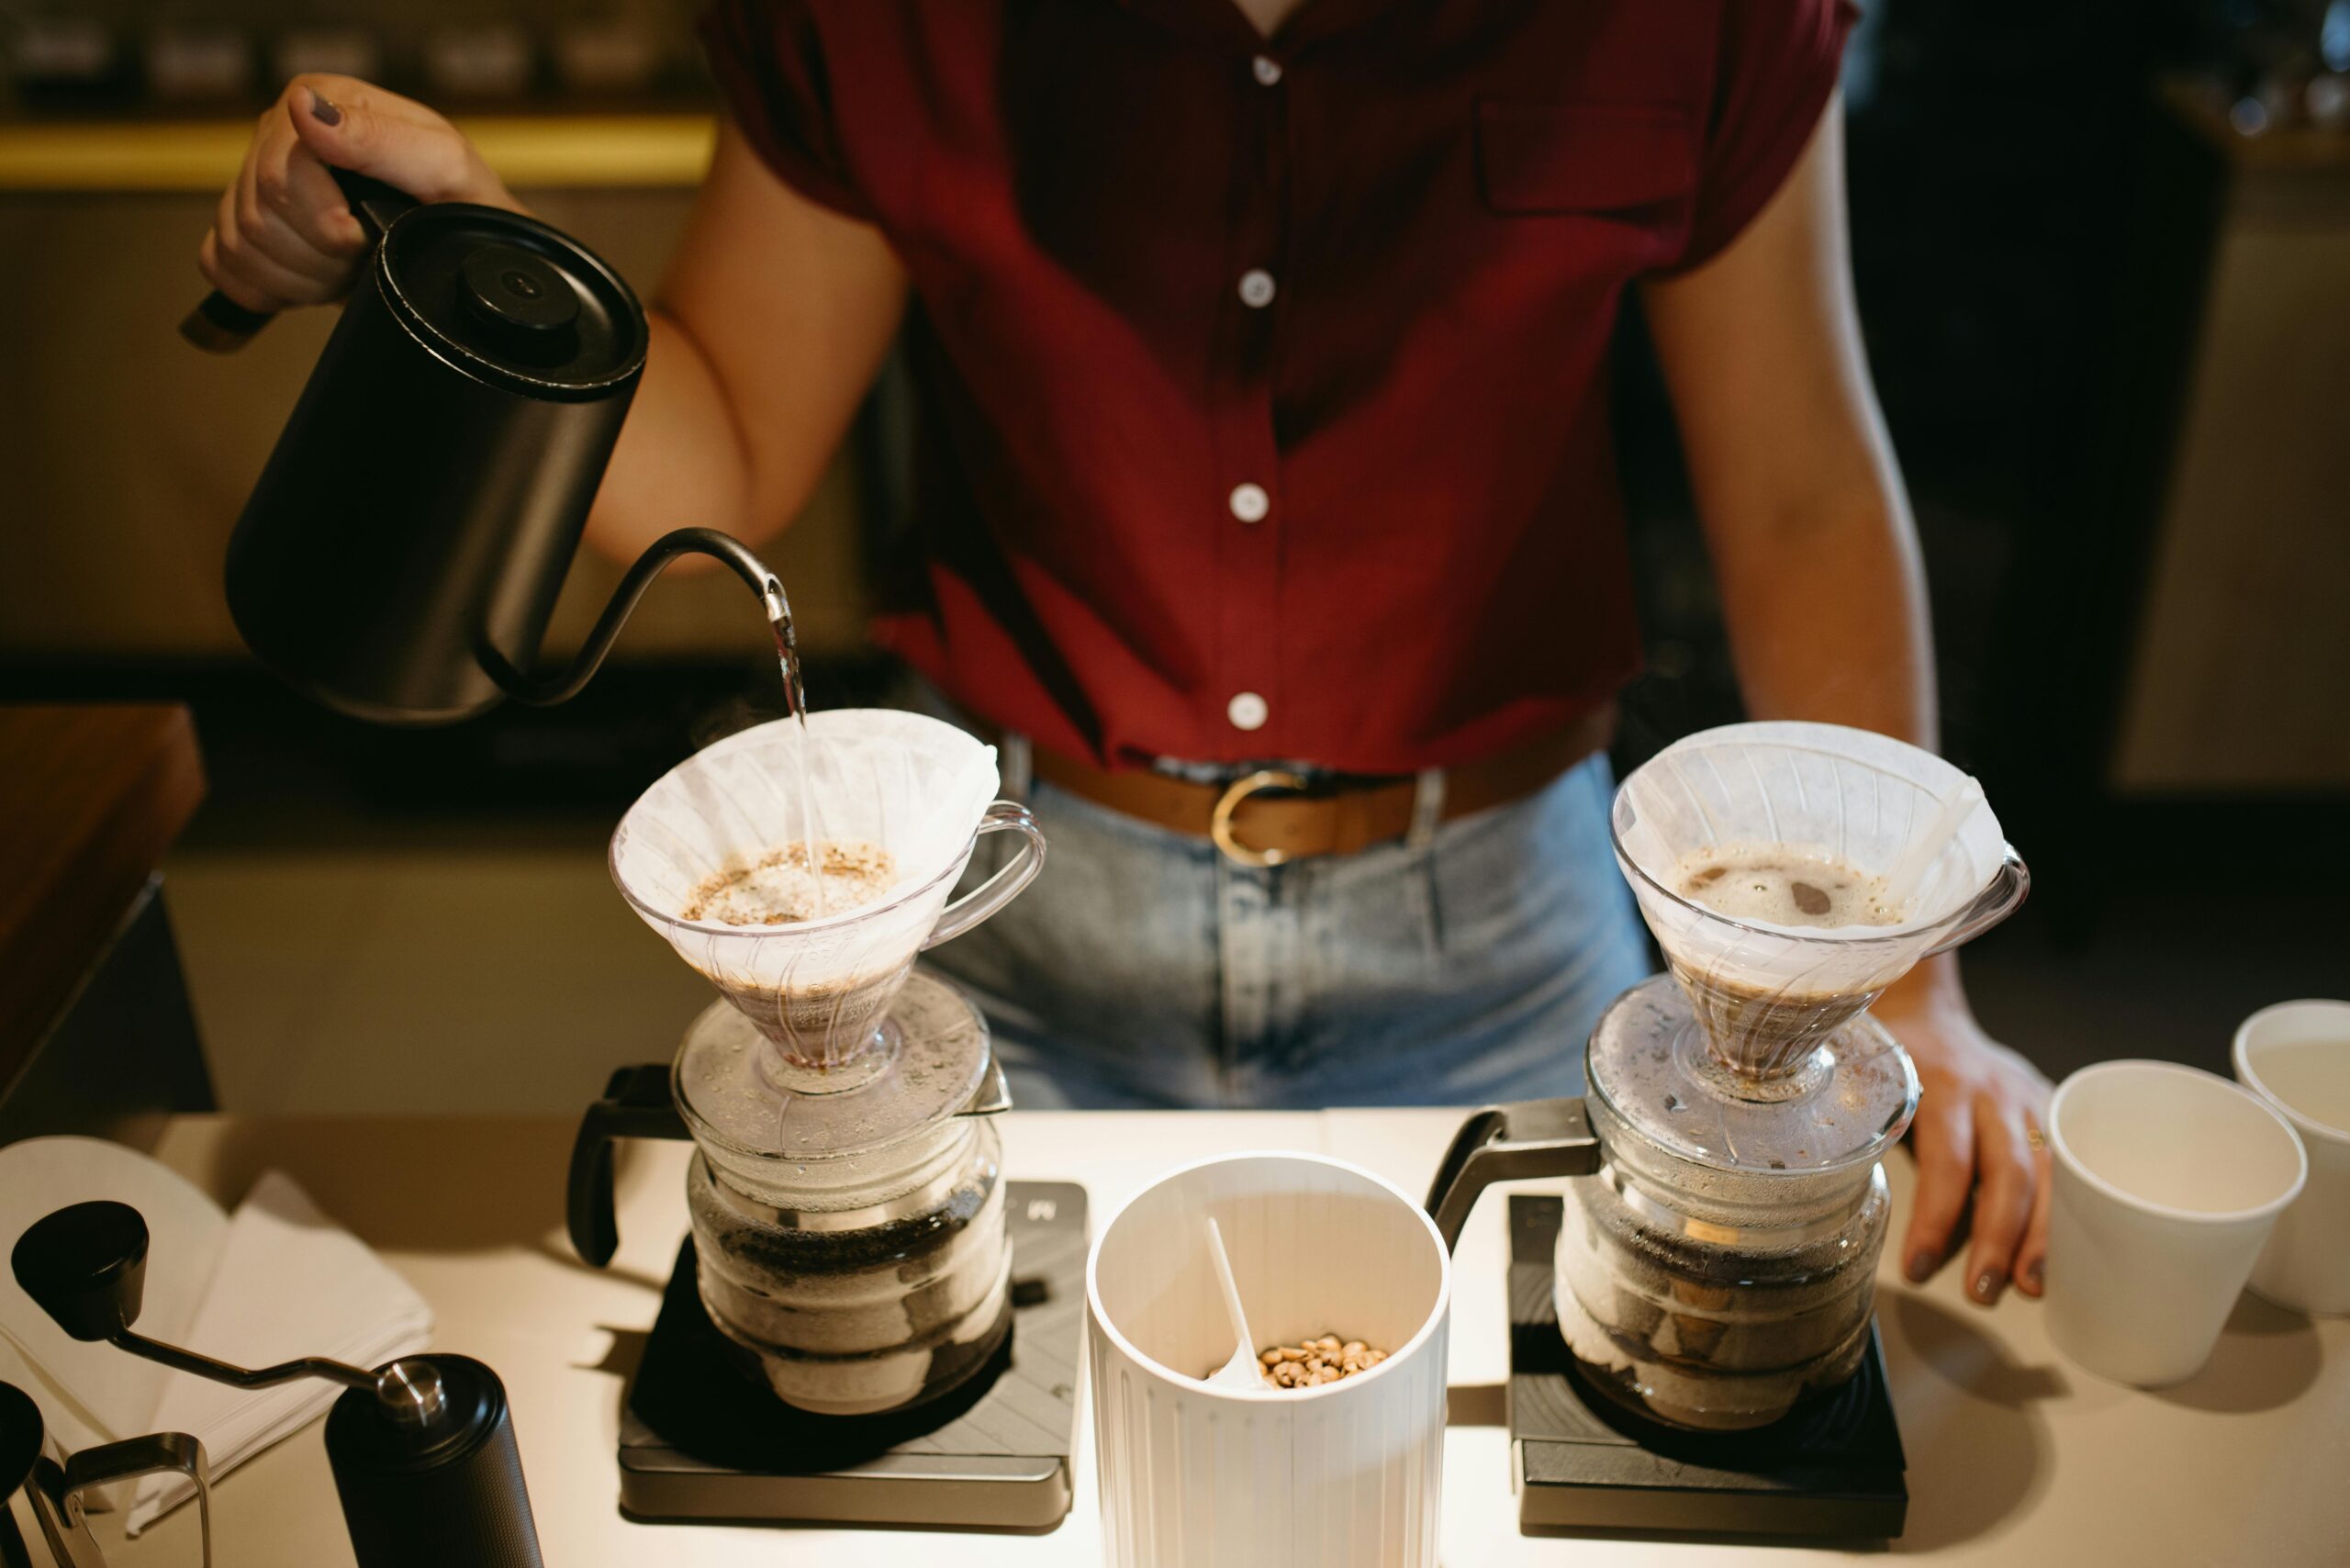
(512, 302)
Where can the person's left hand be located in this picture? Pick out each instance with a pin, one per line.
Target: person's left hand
(1977, 1136)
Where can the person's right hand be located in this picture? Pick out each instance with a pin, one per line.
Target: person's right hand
(283, 235)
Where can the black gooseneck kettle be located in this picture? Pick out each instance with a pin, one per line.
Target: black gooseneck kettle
(403, 550)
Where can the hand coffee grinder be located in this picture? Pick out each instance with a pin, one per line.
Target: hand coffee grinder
(422, 1448)
(1694, 1347)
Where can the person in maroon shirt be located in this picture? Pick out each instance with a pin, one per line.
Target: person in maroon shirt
(1268, 517)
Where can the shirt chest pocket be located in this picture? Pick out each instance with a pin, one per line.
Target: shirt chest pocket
(1537, 158)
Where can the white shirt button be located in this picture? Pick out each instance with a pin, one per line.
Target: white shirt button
(1250, 504)
(1247, 712)
(1256, 288)
(1268, 70)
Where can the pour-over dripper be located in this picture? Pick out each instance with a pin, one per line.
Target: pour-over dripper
(1767, 995)
(820, 988)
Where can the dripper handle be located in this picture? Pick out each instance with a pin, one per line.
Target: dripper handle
(1999, 899)
(1509, 1143)
(636, 1103)
(1004, 817)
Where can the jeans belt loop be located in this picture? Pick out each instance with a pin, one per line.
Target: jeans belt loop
(1427, 809)
(1016, 766)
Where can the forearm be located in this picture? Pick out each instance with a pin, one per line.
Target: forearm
(1825, 602)
(681, 460)
(766, 330)
(1826, 608)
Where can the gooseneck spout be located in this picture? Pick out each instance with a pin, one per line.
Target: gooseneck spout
(546, 690)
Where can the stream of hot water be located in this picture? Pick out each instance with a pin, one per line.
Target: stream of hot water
(795, 700)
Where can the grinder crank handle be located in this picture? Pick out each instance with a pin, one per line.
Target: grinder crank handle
(636, 1103)
(1509, 1143)
(219, 324)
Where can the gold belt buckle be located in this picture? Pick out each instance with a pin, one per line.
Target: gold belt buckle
(1220, 821)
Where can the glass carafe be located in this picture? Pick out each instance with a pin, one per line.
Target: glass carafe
(1716, 1259)
(1718, 1263)
(849, 1235)
(854, 1247)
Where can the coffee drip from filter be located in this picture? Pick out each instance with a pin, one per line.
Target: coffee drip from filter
(1716, 1263)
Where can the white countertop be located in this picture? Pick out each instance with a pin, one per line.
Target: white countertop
(2015, 1456)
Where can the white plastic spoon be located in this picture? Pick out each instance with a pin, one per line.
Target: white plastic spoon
(1244, 1370)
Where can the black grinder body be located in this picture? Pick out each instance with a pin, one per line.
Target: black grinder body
(448, 1496)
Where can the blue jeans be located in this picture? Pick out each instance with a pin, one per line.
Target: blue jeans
(1144, 970)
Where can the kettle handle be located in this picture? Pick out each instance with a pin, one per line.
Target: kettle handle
(219, 324)
(636, 1103)
(1509, 1143)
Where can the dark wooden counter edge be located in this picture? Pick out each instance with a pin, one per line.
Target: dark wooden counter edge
(90, 799)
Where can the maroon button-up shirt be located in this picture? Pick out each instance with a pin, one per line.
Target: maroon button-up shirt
(1268, 377)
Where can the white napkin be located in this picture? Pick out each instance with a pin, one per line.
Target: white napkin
(90, 1395)
(274, 1282)
(290, 1283)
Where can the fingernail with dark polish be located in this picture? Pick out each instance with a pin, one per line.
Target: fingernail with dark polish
(2035, 1274)
(1986, 1285)
(323, 107)
(1921, 1266)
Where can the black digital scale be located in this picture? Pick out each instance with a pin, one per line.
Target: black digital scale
(701, 1440)
(1831, 1467)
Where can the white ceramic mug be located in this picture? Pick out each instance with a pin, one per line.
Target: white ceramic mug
(1347, 1474)
(2296, 1056)
(2167, 1183)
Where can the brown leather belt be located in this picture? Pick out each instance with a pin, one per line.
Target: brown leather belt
(1270, 816)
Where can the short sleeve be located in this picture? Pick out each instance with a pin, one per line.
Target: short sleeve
(767, 57)
(1777, 67)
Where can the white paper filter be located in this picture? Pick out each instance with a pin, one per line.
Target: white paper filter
(1862, 797)
(913, 785)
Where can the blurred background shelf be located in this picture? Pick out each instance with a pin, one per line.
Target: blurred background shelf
(551, 152)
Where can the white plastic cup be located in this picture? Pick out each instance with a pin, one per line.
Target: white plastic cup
(2296, 1056)
(1347, 1474)
(2167, 1182)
